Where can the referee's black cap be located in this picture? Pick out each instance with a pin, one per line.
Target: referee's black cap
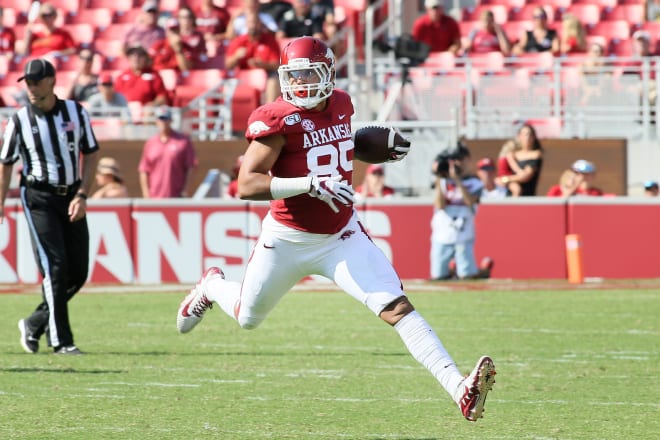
(38, 69)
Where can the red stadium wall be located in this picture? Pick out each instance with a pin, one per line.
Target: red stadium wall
(155, 242)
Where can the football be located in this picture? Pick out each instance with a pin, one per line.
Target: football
(375, 144)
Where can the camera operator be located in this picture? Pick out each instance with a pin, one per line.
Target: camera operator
(452, 227)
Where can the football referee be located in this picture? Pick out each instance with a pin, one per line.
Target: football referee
(55, 141)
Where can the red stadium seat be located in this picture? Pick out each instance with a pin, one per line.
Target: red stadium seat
(466, 27)
(170, 77)
(487, 62)
(109, 48)
(169, 5)
(555, 4)
(514, 29)
(509, 3)
(621, 48)
(129, 16)
(473, 13)
(634, 14)
(526, 13)
(100, 18)
(115, 5)
(587, 13)
(203, 78)
(115, 31)
(441, 60)
(617, 29)
(602, 3)
(68, 6)
(255, 78)
(82, 33)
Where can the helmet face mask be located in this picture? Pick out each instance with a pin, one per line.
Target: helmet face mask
(306, 72)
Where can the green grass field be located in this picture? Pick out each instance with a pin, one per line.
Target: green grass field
(574, 365)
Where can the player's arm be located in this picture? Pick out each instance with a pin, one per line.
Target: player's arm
(254, 180)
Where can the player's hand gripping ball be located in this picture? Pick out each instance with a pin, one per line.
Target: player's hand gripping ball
(379, 144)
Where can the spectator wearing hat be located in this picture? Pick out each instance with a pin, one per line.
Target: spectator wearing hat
(146, 31)
(651, 188)
(44, 38)
(167, 161)
(585, 174)
(184, 48)
(109, 180)
(140, 82)
(373, 184)
(486, 172)
(108, 102)
(436, 29)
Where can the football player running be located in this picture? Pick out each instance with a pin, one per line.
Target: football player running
(300, 158)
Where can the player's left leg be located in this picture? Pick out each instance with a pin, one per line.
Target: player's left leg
(363, 271)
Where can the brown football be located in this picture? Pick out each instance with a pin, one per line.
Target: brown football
(373, 143)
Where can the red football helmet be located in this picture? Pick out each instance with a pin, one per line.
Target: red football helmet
(307, 72)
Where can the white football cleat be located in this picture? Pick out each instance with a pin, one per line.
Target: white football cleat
(195, 304)
(475, 388)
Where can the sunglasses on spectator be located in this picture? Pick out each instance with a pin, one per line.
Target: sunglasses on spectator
(48, 15)
(185, 16)
(540, 17)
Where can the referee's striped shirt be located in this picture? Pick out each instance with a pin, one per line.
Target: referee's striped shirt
(49, 143)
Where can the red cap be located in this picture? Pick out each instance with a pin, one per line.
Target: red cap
(486, 164)
(105, 78)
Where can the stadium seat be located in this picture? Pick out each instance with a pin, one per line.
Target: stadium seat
(509, 3)
(546, 127)
(100, 18)
(17, 5)
(587, 13)
(466, 26)
(82, 33)
(487, 62)
(169, 5)
(620, 48)
(116, 31)
(8, 94)
(255, 78)
(555, 4)
(535, 61)
(526, 13)
(170, 78)
(616, 29)
(110, 49)
(441, 60)
(473, 13)
(129, 16)
(246, 99)
(9, 18)
(514, 29)
(115, 5)
(635, 15)
(204, 78)
(602, 3)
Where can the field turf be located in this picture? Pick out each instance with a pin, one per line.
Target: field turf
(571, 364)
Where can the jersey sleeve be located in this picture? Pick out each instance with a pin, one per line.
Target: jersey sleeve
(271, 119)
(10, 141)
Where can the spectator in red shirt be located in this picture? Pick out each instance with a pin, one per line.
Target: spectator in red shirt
(488, 37)
(140, 82)
(585, 174)
(373, 184)
(43, 38)
(184, 47)
(258, 49)
(167, 160)
(439, 31)
(7, 38)
(212, 21)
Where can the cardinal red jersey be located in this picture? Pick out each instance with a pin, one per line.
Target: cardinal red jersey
(317, 144)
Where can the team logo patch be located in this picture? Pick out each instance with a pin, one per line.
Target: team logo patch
(257, 127)
(292, 119)
(308, 125)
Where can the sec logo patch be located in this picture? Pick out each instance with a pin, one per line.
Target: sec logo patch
(308, 125)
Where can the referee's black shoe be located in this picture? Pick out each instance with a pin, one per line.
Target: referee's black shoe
(68, 349)
(29, 343)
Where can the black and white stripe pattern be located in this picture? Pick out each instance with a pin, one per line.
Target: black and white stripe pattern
(49, 143)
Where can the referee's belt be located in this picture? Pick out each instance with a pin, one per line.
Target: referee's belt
(40, 185)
